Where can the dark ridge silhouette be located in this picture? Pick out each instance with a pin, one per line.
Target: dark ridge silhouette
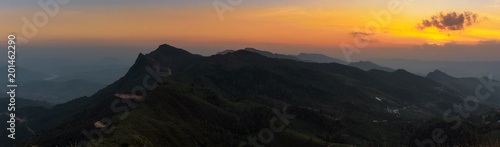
(319, 58)
(367, 65)
(222, 99)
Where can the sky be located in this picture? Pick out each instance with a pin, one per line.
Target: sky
(450, 30)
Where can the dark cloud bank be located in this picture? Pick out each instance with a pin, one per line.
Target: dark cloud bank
(451, 21)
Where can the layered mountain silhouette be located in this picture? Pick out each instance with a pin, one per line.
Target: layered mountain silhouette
(28, 75)
(453, 68)
(306, 57)
(228, 99)
(465, 86)
(367, 65)
(315, 58)
(319, 58)
(263, 53)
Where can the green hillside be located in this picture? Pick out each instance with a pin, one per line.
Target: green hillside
(222, 100)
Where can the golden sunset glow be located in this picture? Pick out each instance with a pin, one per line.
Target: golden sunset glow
(316, 23)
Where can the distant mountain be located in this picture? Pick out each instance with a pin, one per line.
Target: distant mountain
(22, 103)
(306, 57)
(102, 74)
(264, 53)
(440, 76)
(23, 74)
(367, 65)
(221, 100)
(70, 82)
(271, 55)
(104, 70)
(319, 58)
(224, 52)
(57, 92)
(465, 86)
(453, 68)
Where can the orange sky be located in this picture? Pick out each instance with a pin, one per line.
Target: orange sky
(316, 26)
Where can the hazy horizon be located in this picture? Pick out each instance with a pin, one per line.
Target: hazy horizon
(129, 73)
(468, 31)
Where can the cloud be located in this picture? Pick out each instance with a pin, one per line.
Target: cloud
(365, 37)
(362, 34)
(451, 21)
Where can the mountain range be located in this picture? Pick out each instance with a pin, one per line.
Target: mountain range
(314, 58)
(233, 98)
(453, 68)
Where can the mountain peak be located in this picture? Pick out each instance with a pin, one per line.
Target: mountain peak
(438, 74)
(225, 52)
(270, 54)
(438, 71)
(166, 46)
(251, 49)
(170, 50)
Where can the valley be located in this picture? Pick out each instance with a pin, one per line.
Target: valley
(231, 99)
